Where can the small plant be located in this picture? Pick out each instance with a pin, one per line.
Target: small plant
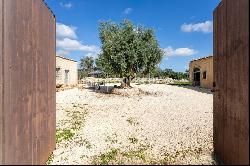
(137, 153)
(132, 121)
(116, 156)
(77, 120)
(106, 158)
(133, 140)
(87, 144)
(112, 140)
(63, 135)
(50, 159)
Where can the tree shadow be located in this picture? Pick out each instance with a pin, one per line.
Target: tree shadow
(196, 88)
(216, 159)
(101, 89)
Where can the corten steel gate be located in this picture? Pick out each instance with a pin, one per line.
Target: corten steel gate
(231, 70)
(27, 82)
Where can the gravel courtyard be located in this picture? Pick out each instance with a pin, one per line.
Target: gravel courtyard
(161, 124)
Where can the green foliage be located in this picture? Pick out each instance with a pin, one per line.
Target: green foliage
(86, 66)
(157, 72)
(117, 157)
(109, 156)
(50, 159)
(63, 135)
(127, 49)
(133, 140)
(178, 83)
(132, 121)
(135, 154)
(87, 63)
(82, 74)
(187, 73)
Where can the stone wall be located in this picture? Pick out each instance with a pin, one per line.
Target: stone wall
(63, 64)
(205, 65)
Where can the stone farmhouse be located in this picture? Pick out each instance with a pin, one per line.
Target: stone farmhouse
(201, 72)
(66, 71)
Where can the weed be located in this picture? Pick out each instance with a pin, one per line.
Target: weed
(50, 159)
(133, 140)
(63, 135)
(116, 156)
(112, 140)
(132, 121)
(87, 144)
(82, 142)
(83, 156)
(136, 153)
(106, 158)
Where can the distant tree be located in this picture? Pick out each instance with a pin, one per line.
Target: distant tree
(82, 74)
(187, 73)
(127, 50)
(87, 64)
(174, 75)
(157, 72)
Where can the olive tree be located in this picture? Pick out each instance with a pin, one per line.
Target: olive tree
(127, 50)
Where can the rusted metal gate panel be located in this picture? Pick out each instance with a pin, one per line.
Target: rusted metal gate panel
(28, 74)
(1, 80)
(231, 70)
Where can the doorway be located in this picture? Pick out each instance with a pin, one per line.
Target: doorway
(197, 76)
(66, 78)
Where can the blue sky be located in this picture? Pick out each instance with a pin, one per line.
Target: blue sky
(182, 27)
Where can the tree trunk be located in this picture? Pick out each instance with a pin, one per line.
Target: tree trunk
(126, 82)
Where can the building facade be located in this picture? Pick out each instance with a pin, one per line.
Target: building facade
(201, 72)
(66, 71)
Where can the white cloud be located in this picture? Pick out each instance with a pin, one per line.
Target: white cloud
(127, 11)
(66, 5)
(169, 51)
(65, 31)
(67, 42)
(74, 45)
(62, 52)
(205, 27)
(93, 54)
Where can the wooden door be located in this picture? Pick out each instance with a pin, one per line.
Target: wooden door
(27, 82)
(231, 84)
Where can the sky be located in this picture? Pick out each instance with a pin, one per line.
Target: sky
(183, 28)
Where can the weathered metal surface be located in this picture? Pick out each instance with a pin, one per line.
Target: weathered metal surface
(28, 74)
(231, 70)
(1, 80)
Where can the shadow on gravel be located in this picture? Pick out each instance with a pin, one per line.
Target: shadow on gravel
(216, 160)
(196, 88)
(101, 89)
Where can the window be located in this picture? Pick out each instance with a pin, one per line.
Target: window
(58, 73)
(204, 75)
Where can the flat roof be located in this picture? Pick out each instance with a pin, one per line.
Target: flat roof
(210, 56)
(65, 58)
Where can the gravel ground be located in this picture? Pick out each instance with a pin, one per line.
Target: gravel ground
(154, 124)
